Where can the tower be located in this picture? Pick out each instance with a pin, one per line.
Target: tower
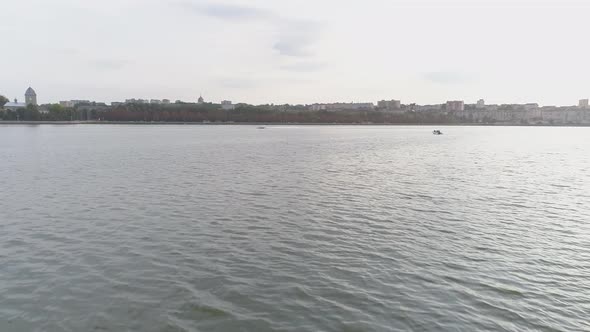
(201, 100)
(30, 97)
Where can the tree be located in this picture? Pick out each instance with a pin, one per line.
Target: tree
(3, 101)
(31, 113)
(58, 113)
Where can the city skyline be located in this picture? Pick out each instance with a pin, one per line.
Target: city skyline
(385, 111)
(457, 104)
(278, 52)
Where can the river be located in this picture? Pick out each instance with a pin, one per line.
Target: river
(294, 228)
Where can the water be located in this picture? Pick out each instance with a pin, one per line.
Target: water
(319, 228)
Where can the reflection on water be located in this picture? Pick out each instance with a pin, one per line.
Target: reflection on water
(220, 228)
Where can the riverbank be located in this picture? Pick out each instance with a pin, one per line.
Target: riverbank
(282, 124)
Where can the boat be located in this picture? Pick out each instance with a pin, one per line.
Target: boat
(437, 132)
(261, 128)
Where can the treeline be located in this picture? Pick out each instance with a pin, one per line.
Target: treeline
(260, 114)
(54, 113)
(214, 113)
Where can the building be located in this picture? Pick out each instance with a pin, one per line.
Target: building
(342, 107)
(554, 115)
(480, 104)
(424, 108)
(455, 105)
(73, 103)
(166, 101)
(516, 107)
(13, 106)
(583, 103)
(155, 101)
(227, 105)
(30, 97)
(136, 101)
(201, 100)
(318, 107)
(390, 104)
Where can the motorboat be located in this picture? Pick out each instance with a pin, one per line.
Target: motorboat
(437, 132)
(261, 128)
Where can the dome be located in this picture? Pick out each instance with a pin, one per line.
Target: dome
(30, 92)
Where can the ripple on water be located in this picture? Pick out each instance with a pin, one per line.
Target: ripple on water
(221, 228)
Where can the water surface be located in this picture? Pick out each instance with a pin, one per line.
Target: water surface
(294, 228)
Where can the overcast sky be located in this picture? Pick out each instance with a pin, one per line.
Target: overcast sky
(297, 51)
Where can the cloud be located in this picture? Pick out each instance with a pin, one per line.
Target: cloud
(447, 77)
(69, 51)
(110, 64)
(237, 83)
(304, 66)
(294, 36)
(227, 12)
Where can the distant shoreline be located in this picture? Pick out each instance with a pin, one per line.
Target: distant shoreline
(283, 124)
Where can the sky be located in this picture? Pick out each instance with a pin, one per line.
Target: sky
(297, 51)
